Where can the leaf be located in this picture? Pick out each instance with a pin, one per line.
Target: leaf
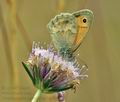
(36, 76)
(29, 73)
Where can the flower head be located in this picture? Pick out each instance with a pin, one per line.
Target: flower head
(50, 72)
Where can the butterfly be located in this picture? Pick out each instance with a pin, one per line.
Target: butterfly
(69, 29)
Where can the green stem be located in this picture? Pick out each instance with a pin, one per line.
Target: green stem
(36, 96)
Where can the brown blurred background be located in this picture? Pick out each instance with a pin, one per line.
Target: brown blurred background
(24, 21)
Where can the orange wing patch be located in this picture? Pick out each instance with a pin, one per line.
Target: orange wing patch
(82, 28)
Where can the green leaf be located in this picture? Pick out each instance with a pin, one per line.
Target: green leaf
(46, 83)
(36, 76)
(29, 73)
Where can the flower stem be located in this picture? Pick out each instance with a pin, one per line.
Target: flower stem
(36, 96)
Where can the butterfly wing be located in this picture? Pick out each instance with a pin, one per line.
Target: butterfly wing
(84, 19)
(68, 30)
(63, 29)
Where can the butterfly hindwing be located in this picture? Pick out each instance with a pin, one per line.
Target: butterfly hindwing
(63, 28)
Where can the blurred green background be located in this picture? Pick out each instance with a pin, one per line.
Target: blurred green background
(100, 49)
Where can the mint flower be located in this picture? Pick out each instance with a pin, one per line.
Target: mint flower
(51, 73)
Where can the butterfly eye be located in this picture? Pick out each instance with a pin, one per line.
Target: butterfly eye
(84, 20)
